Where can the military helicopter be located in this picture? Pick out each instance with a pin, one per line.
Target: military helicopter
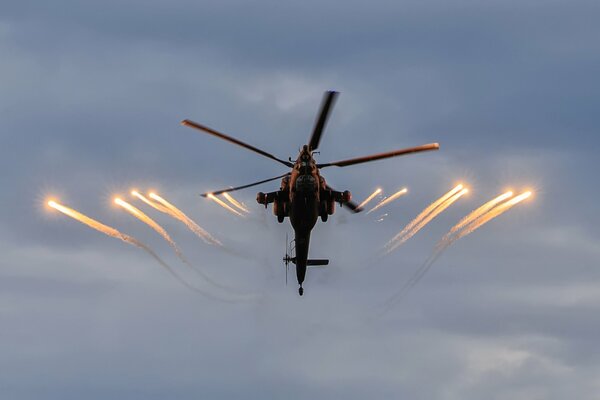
(304, 195)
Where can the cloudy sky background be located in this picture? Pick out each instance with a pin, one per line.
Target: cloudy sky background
(90, 103)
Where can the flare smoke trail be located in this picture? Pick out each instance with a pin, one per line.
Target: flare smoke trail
(162, 232)
(473, 215)
(176, 213)
(414, 279)
(388, 199)
(368, 199)
(112, 232)
(235, 202)
(424, 214)
(490, 215)
(438, 210)
(224, 205)
(451, 238)
(152, 224)
(149, 202)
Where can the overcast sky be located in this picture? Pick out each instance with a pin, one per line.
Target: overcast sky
(91, 95)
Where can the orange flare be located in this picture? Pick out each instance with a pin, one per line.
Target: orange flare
(473, 215)
(152, 224)
(112, 232)
(176, 213)
(152, 204)
(493, 213)
(235, 202)
(451, 237)
(369, 198)
(107, 230)
(389, 199)
(92, 223)
(223, 204)
(424, 214)
(427, 219)
(160, 230)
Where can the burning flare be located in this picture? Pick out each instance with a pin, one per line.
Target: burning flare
(466, 227)
(493, 213)
(160, 230)
(428, 219)
(223, 204)
(112, 232)
(424, 214)
(92, 223)
(236, 203)
(429, 213)
(478, 212)
(151, 203)
(152, 224)
(388, 200)
(368, 199)
(164, 206)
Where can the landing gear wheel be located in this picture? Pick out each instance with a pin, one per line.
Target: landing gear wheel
(280, 218)
(300, 291)
(324, 217)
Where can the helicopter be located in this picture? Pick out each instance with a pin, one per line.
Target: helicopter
(304, 195)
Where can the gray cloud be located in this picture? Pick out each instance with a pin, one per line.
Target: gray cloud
(90, 104)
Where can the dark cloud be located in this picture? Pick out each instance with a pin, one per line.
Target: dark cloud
(92, 95)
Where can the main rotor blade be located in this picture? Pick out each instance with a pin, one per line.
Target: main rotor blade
(218, 192)
(326, 106)
(373, 157)
(192, 124)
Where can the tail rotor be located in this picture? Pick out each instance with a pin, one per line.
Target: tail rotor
(287, 259)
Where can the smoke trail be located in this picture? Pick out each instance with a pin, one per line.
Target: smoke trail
(224, 205)
(493, 213)
(427, 219)
(415, 278)
(388, 199)
(178, 215)
(174, 212)
(112, 232)
(149, 202)
(161, 231)
(369, 198)
(152, 224)
(450, 238)
(235, 202)
(424, 214)
(473, 215)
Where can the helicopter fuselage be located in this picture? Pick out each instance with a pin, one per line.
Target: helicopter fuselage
(303, 197)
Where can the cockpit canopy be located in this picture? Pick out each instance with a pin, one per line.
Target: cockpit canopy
(305, 163)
